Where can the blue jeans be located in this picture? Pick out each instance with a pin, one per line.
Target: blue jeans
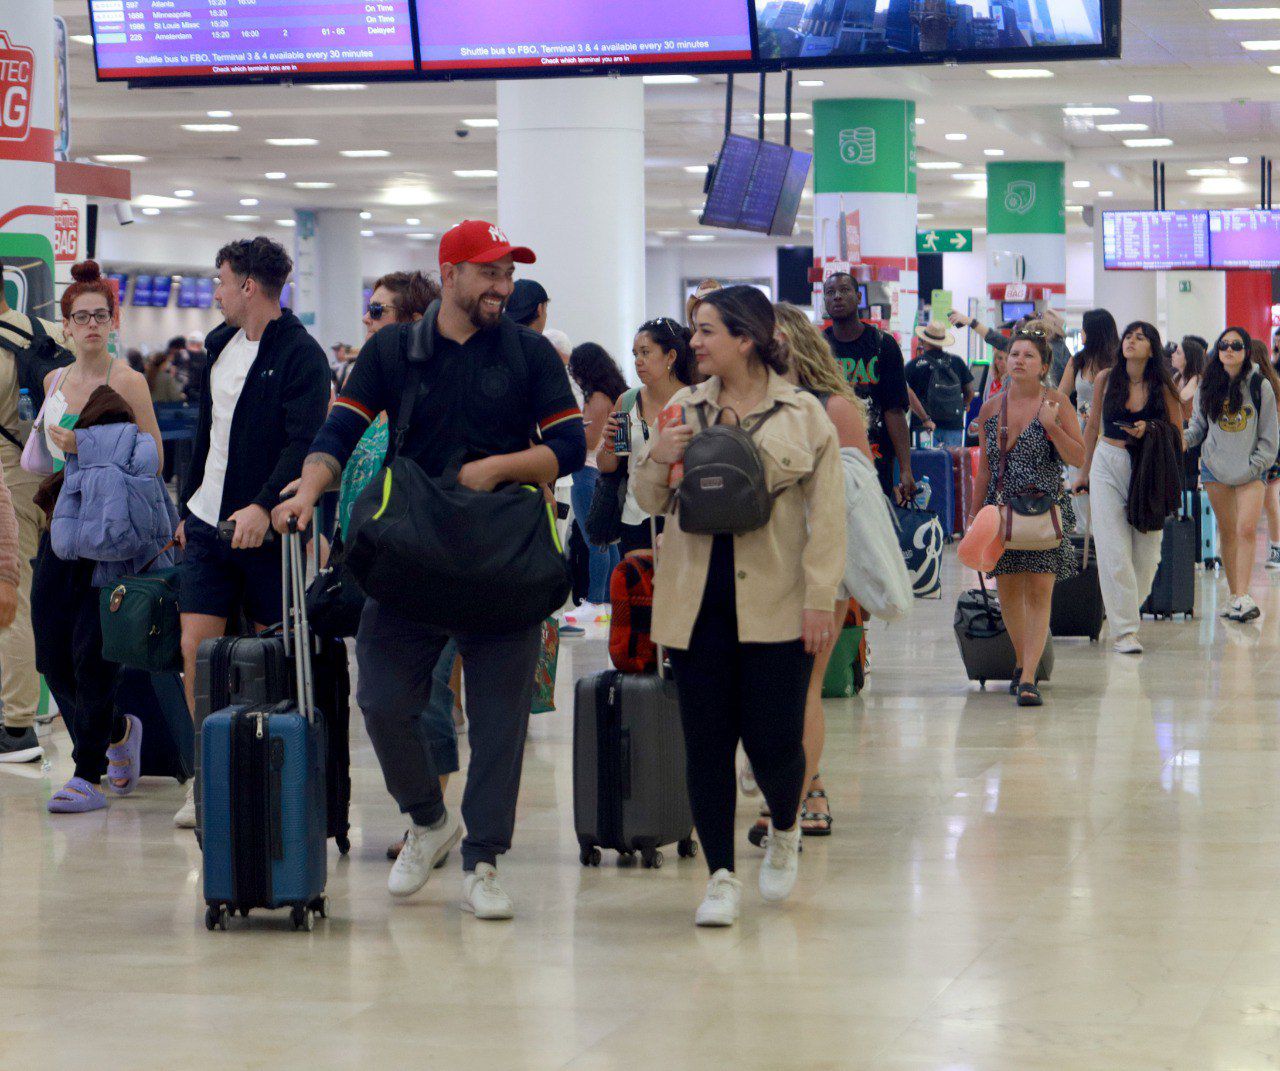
(944, 437)
(601, 560)
(436, 724)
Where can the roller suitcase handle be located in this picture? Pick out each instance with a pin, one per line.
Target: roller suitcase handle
(296, 629)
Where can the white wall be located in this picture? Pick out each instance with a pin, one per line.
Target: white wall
(1202, 311)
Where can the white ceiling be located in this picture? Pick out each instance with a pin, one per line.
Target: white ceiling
(1211, 96)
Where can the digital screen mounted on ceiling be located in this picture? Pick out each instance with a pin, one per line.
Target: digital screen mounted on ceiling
(249, 40)
(756, 186)
(834, 33)
(1155, 241)
(521, 38)
(1244, 238)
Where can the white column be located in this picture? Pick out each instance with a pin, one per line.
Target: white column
(571, 187)
(1129, 295)
(329, 286)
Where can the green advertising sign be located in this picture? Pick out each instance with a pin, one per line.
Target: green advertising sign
(864, 146)
(1027, 197)
(944, 241)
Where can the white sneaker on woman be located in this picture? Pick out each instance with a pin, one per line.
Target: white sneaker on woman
(424, 846)
(1246, 609)
(1128, 644)
(720, 906)
(781, 864)
(483, 896)
(186, 816)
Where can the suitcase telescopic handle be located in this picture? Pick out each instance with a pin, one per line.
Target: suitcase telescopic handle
(653, 538)
(297, 629)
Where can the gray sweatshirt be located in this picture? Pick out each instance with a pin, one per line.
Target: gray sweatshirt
(1238, 447)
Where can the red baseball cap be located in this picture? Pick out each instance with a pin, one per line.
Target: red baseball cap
(476, 242)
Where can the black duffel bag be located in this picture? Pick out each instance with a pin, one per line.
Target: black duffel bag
(448, 556)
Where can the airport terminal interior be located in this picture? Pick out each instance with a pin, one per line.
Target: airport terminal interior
(940, 195)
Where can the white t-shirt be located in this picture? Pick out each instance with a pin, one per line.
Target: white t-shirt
(226, 382)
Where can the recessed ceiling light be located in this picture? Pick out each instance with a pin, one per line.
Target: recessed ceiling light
(82, 38)
(668, 79)
(939, 165)
(1075, 208)
(702, 237)
(366, 234)
(248, 202)
(1261, 46)
(697, 169)
(1148, 143)
(993, 152)
(1222, 187)
(244, 219)
(408, 196)
(971, 176)
(151, 211)
(480, 172)
(184, 193)
(274, 175)
(1245, 14)
(1239, 161)
(924, 215)
(413, 221)
(1274, 70)
(211, 128)
(1020, 72)
(363, 154)
(286, 223)
(120, 158)
(920, 120)
(292, 143)
(812, 83)
(1088, 111)
(1140, 98)
(314, 185)
(1082, 184)
(1207, 172)
(957, 137)
(366, 215)
(1106, 193)
(779, 117)
(422, 236)
(695, 211)
(1121, 128)
(218, 115)
(668, 234)
(339, 87)
(151, 200)
(480, 124)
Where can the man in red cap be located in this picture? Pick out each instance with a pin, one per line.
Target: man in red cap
(487, 389)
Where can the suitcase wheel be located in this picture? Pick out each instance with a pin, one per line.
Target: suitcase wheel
(589, 857)
(652, 859)
(303, 917)
(320, 905)
(215, 917)
(626, 859)
(687, 848)
(344, 847)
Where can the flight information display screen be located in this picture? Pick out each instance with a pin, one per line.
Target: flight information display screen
(1244, 238)
(461, 36)
(1155, 241)
(227, 40)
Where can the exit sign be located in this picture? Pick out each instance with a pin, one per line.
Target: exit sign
(1184, 286)
(943, 241)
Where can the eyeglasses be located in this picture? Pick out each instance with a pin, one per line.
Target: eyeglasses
(1236, 346)
(98, 316)
(377, 308)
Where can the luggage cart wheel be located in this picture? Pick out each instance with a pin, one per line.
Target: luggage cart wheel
(688, 849)
(652, 860)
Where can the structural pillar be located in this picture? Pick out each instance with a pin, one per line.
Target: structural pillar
(865, 203)
(26, 154)
(1129, 295)
(571, 187)
(1027, 232)
(328, 283)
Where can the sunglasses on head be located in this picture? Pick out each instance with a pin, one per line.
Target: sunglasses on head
(662, 323)
(1030, 333)
(377, 308)
(1235, 345)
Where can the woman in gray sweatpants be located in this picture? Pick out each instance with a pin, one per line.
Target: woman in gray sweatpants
(1138, 390)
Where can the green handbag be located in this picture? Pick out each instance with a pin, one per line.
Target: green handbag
(140, 623)
(841, 680)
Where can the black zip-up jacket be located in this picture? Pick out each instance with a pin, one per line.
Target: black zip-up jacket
(281, 407)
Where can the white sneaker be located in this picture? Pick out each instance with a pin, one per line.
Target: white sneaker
(186, 816)
(720, 906)
(588, 613)
(747, 780)
(423, 848)
(1128, 644)
(1246, 609)
(1233, 608)
(1273, 557)
(483, 896)
(781, 864)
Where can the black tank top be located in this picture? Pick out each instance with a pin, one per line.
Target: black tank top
(1154, 409)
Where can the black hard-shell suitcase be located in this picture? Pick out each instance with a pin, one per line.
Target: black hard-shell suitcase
(1174, 588)
(984, 642)
(629, 789)
(1077, 603)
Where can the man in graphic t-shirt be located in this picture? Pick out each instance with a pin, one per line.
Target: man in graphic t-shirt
(872, 362)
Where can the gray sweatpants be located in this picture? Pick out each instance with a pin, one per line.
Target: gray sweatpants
(1127, 559)
(396, 656)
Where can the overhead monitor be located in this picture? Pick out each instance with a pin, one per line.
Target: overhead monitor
(250, 40)
(835, 33)
(161, 288)
(1244, 238)
(187, 292)
(1155, 241)
(204, 292)
(756, 186)
(142, 290)
(1012, 311)
(516, 38)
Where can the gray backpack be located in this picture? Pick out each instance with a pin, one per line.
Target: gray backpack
(724, 490)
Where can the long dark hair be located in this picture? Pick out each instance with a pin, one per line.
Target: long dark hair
(1218, 391)
(1157, 375)
(1194, 353)
(747, 313)
(671, 336)
(1101, 343)
(596, 372)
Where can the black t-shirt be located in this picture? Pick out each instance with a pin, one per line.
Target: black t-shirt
(920, 371)
(873, 365)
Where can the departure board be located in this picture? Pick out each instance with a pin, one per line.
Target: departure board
(226, 40)
(1155, 241)
(1245, 238)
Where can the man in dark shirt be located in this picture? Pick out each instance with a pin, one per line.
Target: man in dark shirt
(872, 362)
(480, 406)
(948, 406)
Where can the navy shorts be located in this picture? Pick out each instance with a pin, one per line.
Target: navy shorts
(218, 581)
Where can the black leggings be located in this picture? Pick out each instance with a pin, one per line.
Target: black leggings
(68, 634)
(731, 691)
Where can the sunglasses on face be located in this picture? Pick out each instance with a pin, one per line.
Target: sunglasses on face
(377, 309)
(98, 316)
(1236, 346)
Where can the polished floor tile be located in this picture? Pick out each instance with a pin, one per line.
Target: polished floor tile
(1092, 886)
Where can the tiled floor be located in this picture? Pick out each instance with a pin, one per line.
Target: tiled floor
(1094, 886)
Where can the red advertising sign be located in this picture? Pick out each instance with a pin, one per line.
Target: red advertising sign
(17, 89)
(66, 234)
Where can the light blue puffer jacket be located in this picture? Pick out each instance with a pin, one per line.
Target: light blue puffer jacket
(113, 508)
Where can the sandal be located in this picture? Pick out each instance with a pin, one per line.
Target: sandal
(1029, 695)
(77, 796)
(1017, 679)
(124, 758)
(822, 818)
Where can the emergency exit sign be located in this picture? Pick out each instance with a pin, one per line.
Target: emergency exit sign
(942, 241)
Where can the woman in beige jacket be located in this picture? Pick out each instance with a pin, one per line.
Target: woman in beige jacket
(744, 615)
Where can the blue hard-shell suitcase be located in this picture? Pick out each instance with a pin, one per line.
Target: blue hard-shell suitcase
(938, 466)
(262, 775)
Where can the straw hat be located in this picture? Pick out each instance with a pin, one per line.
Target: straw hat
(936, 334)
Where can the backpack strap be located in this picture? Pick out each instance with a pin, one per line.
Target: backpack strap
(419, 353)
(628, 401)
(1255, 391)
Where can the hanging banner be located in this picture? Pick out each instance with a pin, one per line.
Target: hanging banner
(61, 92)
(306, 281)
(1026, 197)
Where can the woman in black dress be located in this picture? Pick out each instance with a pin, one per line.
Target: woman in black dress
(1043, 434)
